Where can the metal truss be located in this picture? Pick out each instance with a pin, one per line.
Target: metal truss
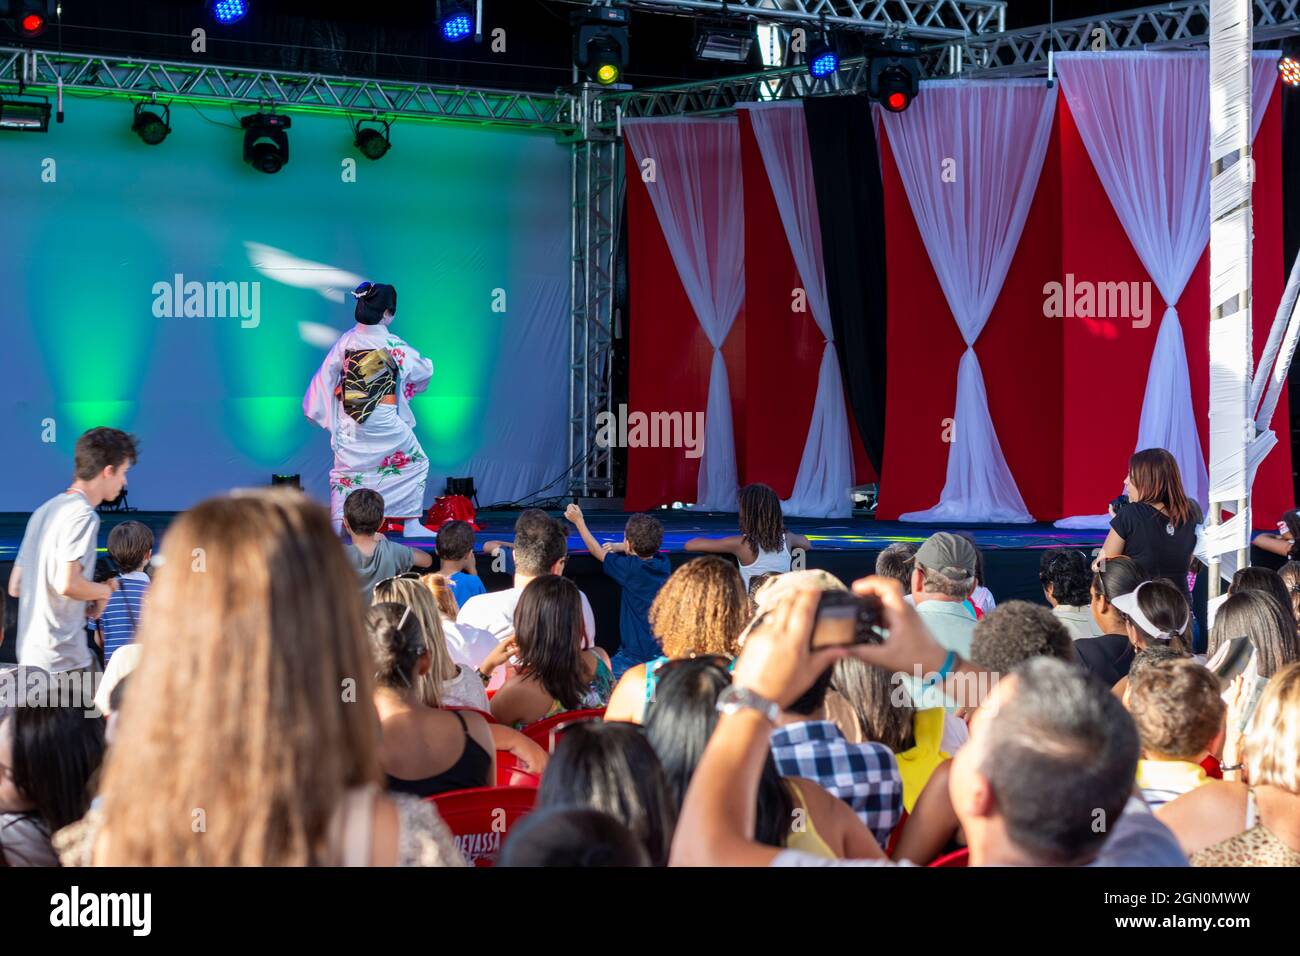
(924, 19)
(597, 204)
(1168, 26)
(1017, 53)
(39, 71)
(722, 94)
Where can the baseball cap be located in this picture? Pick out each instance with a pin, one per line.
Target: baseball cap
(949, 554)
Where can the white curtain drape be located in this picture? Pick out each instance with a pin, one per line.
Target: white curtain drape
(1143, 117)
(821, 488)
(970, 154)
(695, 184)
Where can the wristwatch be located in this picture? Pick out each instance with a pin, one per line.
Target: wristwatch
(735, 698)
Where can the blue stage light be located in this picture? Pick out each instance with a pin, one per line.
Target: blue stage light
(457, 25)
(824, 64)
(229, 11)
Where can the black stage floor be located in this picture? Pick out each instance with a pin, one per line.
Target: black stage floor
(845, 547)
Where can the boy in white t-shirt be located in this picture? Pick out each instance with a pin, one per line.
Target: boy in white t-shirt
(56, 560)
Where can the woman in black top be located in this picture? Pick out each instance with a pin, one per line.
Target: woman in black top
(423, 751)
(1157, 528)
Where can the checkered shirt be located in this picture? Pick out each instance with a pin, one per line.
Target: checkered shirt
(865, 776)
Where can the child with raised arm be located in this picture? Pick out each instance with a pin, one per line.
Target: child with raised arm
(636, 564)
(763, 545)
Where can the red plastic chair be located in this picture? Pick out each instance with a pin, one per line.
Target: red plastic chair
(955, 858)
(474, 710)
(479, 819)
(511, 773)
(546, 733)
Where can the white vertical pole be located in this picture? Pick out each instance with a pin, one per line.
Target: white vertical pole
(1231, 419)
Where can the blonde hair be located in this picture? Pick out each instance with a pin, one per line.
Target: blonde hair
(439, 586)
(1272, 749)
(701, 609)
(251, 640)
(412, 593)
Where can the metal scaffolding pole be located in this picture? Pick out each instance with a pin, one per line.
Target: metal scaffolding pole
(596, 206)
(1232, 426)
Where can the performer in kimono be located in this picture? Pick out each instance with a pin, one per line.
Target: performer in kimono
(361, 395)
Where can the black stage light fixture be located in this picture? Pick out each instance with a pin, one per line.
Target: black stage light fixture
(151, 126)
(266, 145)
(291, 481)
(372, 141)
(30, 18)
(461, 486)
(724, 43)
(25, 114)
(600, 46)
(895, 75)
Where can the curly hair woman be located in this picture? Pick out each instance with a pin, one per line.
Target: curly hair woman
(700, 611)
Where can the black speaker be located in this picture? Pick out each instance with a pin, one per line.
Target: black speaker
(462, 486)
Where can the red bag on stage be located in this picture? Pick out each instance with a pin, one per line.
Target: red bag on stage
(450, 508)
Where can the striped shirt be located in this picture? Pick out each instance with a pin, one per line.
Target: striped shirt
(122, 614)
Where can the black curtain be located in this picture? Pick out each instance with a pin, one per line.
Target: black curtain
(851, 206)
(1291, 246)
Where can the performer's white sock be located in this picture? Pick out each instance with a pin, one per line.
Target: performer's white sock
(414, 529)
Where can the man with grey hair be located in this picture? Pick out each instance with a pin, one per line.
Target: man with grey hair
(896, 562)
(943, 576)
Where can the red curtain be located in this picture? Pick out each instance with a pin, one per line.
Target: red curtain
(1064, 394)
(783, 347)
(773, 353)
(1019, 351)
(1105, 361)
(670, 356)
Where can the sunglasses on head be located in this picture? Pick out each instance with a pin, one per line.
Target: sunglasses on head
(404, 576)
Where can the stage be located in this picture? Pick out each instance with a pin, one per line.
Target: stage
(845, 547)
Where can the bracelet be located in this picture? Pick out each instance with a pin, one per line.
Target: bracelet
(944, 670)
(735, 698)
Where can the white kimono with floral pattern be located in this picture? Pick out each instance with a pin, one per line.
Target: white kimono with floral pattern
(382, 454)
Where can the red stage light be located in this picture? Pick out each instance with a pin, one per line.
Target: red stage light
(32, 25)
(896, 102)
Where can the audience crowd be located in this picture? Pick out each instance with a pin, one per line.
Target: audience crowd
(265, 693)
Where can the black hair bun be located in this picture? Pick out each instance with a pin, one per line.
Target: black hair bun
(373, 300)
